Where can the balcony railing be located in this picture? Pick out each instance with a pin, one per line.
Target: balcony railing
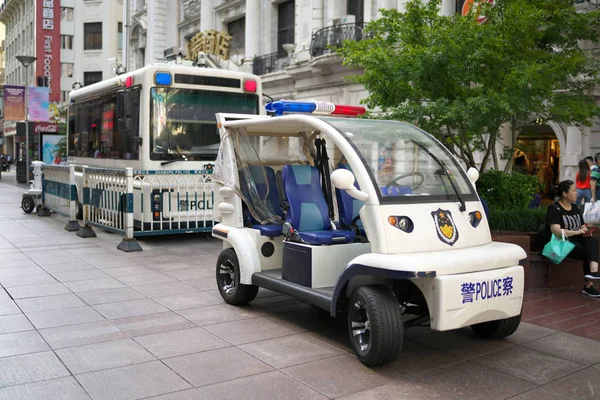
(269, 63)
(334, 36)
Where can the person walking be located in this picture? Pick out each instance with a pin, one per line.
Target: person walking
(594, 178)
(582, 181)
(564, 216)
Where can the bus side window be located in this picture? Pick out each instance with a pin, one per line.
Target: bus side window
(128, 116)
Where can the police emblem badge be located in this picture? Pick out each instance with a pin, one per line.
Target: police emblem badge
(444, 226)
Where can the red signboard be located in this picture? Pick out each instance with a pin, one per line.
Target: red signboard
(47, 22)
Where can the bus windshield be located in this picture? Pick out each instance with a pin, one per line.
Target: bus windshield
(183, 125)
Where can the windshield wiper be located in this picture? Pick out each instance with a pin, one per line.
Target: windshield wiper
(173, 160)
(442, 165)
(180, 157)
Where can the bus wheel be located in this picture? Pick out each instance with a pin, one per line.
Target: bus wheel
(27, 204)
(228, 280)
(498, 329)
(375, 325)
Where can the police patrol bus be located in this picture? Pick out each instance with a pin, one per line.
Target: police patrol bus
(158, 120)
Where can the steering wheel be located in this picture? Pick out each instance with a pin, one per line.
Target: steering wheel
(416, 173)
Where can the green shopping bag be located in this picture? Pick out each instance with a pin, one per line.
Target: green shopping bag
(557, 249)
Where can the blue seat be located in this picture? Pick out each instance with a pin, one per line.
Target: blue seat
(308, 212)
(272, 201)
(348, 207)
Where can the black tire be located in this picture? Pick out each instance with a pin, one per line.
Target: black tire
(228, 280)
(498, 329)
(28, 204)
(376, 310)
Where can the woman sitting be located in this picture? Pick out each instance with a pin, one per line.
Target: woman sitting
(565, 216)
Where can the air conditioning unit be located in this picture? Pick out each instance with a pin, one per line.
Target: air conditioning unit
(346, 19)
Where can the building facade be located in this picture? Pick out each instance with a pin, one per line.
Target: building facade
(97, 42)
(73, 41)
(286, 42)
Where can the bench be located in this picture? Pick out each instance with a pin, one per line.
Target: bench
(539, 271)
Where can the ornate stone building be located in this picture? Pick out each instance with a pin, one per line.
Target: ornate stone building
(287, 43)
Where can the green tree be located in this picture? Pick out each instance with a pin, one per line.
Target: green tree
(461, 80)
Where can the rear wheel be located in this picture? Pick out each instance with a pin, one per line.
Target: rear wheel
(228, 280)
(375, 325)
(27, 204)
(498, 329)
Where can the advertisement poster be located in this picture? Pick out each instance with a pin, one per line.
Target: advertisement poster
(14, 103)
(51, 145)
(38, 104)
(48, 44)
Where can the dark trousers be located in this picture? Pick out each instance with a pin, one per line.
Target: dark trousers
(586, 249)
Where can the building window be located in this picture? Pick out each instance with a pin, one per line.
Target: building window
(66, 42)
(91, 77)
(92, 33)
(66, 70)
(120, 35)
(64, 96)
(285, 25)
(356, 8)
(66, 14)
(237, 30)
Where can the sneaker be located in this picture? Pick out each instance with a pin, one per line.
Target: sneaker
(592, 275)
(590, 291)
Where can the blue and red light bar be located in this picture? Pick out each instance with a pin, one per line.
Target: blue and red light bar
(313, 107)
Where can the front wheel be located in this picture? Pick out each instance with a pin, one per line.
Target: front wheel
(228, 280)
(375, 325)
(27, 204)
(498, 329)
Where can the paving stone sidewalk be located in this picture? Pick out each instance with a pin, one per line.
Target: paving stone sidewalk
(80, 319)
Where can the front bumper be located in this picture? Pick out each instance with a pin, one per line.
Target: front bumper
(456, 301)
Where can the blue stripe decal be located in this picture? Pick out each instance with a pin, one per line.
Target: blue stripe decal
(86, 195)
(73, 192)
(58, 189)
(174, 172)
(129, 203)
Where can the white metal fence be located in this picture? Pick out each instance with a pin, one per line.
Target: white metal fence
(172, 202)
(58, 188)
(131, 203)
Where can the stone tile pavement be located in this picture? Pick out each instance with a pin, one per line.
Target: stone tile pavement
(80, 319)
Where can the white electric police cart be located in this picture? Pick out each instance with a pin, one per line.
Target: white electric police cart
(395, 236)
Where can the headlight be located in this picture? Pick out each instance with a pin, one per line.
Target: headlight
(401, 222)
(156, 197)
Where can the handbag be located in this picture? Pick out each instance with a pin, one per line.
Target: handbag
(591, 213)
(557, 249)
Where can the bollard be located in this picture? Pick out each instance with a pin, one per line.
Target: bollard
(129, 243)
(86, 231)
(73, 224)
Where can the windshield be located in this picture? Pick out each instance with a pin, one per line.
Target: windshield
(406, 164)
(183, 124)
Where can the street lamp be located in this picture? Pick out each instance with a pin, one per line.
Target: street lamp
(26, 61)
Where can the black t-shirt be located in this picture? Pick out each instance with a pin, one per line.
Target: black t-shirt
(571, 220)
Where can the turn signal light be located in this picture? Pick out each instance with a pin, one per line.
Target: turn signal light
(475, 218)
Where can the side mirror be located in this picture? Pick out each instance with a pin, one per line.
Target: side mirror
(344, 180)
(473, 174)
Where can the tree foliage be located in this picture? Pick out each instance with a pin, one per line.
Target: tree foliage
(461, 80)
